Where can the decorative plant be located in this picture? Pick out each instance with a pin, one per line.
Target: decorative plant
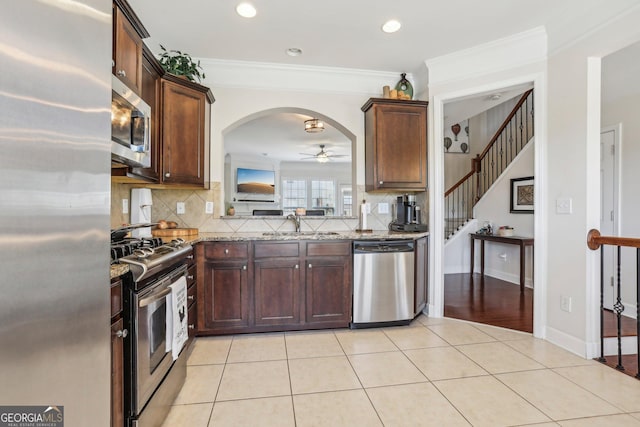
(181, 64)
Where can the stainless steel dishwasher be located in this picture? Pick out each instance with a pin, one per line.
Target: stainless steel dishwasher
(383, 282)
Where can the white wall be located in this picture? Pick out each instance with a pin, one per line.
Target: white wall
(494, 207)
(572, 167)
(625, 111)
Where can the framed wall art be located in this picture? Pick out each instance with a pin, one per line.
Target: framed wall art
(522, 195)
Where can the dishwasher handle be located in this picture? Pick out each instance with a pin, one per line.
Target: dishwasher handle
(382, 247)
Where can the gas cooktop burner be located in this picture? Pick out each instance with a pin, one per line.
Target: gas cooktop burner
(148, 256)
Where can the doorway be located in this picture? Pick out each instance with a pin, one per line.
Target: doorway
(609, 161)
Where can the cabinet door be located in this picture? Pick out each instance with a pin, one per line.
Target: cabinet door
(226, 295)
(127, 52)
(421, 274)
(183, 139)
(150, 93)
(395, 145)
(329, 290)
(117, 374)
(277, 291)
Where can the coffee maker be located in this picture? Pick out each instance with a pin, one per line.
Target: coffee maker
(408, 215)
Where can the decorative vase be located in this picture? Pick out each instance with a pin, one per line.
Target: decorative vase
(405, 86)
(231, 211)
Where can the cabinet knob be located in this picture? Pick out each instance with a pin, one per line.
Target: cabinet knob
(297, 266)
(121, 73)
(191, 326)
(190, 277)
(122, 333)
(310, 266)
(167, 175)
(380, 182)
(191, 297)
(190, 257)
(226, 251)
(244, 267)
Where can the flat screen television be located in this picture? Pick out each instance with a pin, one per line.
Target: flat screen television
(255, 185)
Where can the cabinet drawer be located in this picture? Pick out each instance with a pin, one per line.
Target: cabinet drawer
(192, 315)
(191, 296)
(328, 248)
(116, 298)
(223, 250)
(191, 276)
(276, 249)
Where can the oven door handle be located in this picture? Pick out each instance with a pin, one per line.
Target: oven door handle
(154, 297)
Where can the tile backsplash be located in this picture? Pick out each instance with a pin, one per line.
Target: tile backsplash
(165, 201)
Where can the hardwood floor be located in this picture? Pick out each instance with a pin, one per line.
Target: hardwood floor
(488, 300)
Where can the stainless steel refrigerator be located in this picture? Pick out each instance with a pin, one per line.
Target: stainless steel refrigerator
(55, 99)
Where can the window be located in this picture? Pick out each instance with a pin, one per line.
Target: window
(347, 200)
(294, 194)
(310, 194)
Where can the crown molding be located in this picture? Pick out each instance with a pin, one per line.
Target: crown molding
(296, 78)
(520, 49)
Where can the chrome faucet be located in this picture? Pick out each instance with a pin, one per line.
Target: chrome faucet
(296, 221)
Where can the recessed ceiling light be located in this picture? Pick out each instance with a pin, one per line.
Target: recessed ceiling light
(246, 10)
(391, 26)
(294, 51)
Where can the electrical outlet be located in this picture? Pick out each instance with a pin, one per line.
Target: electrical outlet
(180, 208)
(565, 303)
(383, 208)
(125, 206)
(208, 208)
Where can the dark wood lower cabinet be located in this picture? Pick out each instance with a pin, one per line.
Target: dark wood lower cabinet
(225, 295)
(280, 285)
(277, 291)
(328, 290)
(421, 273)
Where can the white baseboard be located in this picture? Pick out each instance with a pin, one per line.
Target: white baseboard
(507, 277)
(629, 345)
(569, 343)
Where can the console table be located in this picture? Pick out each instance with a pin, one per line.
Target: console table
(522, 242)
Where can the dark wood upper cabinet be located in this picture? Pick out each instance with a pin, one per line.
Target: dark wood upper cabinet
(150, 92)
(185, 128)
(395, 144)
(128, 33)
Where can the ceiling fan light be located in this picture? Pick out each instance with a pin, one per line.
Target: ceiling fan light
(322, 159)
(313, 126)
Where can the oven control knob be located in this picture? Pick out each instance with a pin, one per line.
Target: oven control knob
(122, 334)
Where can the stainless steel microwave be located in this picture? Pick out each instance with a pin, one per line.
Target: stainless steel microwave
(130, 126)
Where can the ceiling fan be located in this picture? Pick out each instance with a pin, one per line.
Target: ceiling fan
(322, 156)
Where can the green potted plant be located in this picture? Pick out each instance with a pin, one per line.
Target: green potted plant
(181, 64)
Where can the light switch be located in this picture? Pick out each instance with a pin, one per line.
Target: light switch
(383, 208)
(208, 208)
(564, 206)
(180, 208)
(125, 206)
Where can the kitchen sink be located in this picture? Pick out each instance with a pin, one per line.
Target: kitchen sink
(300, 233)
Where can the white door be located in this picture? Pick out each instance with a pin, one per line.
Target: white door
(608, 210)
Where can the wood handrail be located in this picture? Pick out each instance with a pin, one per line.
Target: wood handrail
(459, 183)
(505, 123)
(595, 240)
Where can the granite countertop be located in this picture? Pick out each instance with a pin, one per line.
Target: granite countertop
(118, 270)
(307, 235)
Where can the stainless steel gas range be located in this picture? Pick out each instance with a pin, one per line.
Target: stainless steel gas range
(152, 377)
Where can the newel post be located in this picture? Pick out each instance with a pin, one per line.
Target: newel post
(476, 166)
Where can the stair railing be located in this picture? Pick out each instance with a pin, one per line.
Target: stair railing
(595, 241)
(510, 138)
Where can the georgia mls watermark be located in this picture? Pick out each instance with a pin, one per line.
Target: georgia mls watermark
(31, 416)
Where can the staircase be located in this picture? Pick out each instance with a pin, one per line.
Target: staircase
(619, 345)
(510, 138)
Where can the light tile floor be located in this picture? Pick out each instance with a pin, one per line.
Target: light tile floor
(435, 372)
